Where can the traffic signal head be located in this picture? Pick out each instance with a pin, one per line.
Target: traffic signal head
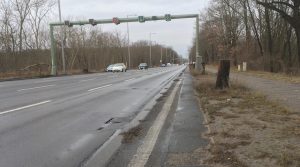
(92, 22)
(168, 17)
(68, 23)
(141, 19)
(116, 21)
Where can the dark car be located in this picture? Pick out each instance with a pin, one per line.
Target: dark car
(143, 66)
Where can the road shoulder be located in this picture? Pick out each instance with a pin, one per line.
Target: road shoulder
(180, 139)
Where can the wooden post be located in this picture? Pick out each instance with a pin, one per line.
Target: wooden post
(223, 74)
(203, 68)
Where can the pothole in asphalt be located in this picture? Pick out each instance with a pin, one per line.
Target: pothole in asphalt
(109, 121)
(100, 128)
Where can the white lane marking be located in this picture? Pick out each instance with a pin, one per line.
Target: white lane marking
(145, 150)
(101, 87)
(87, 80)
(129, 80)
(40, 87)
(25, 107)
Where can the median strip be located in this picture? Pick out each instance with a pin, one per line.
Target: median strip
(95, 89)
(25, 107)
(40, 87)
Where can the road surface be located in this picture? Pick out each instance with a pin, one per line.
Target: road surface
(62, 121)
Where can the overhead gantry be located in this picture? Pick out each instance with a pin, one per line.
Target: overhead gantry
(117, 21)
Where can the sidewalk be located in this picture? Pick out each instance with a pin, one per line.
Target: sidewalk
(286, 94)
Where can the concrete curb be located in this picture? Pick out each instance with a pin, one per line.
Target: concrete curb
(104, 154)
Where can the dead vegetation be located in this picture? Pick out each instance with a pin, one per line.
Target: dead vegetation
(23, 74)
(290, 78)
(246, 129)
(194, 72)
(129, 136)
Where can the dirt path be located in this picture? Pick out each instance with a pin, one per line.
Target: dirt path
(286, 94)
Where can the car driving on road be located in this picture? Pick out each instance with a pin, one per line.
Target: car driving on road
(109, 68)
(120, 67)
(143, 66)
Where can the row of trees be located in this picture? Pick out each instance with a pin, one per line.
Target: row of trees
(92, 49)
(264, 33)
(24, 41)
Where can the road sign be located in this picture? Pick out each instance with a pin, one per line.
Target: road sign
(141, 19)
(116, 20)
(168, 17)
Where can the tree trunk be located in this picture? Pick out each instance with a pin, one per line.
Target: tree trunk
(223, 74)
(255, 29)
(298, 44)
(269, 39)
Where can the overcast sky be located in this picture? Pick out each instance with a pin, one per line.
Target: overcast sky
(177, 34)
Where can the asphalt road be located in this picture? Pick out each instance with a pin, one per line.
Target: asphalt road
(61, 121)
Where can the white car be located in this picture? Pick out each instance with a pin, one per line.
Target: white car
(109, 68)
(120, 67)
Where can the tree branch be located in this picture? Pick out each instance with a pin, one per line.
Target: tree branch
(271, 6)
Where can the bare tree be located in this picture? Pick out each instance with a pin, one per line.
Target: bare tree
(39, 11)
(22, 8)
(293, 17)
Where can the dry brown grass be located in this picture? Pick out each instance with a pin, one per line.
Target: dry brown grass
(22, 74)
(195, 73)
(291, 78)
(129, 136)
(37, 74)
(247, 128)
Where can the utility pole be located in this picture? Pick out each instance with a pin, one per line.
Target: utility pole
(198, 57)
(150, 34)
(161, 55)
(173, 58)
(166, 55)
(62, 41)
(129, 53)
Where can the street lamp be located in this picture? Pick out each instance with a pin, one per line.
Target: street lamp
(62, 41)
(150, 34)
(161, 55)
(129, 54)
